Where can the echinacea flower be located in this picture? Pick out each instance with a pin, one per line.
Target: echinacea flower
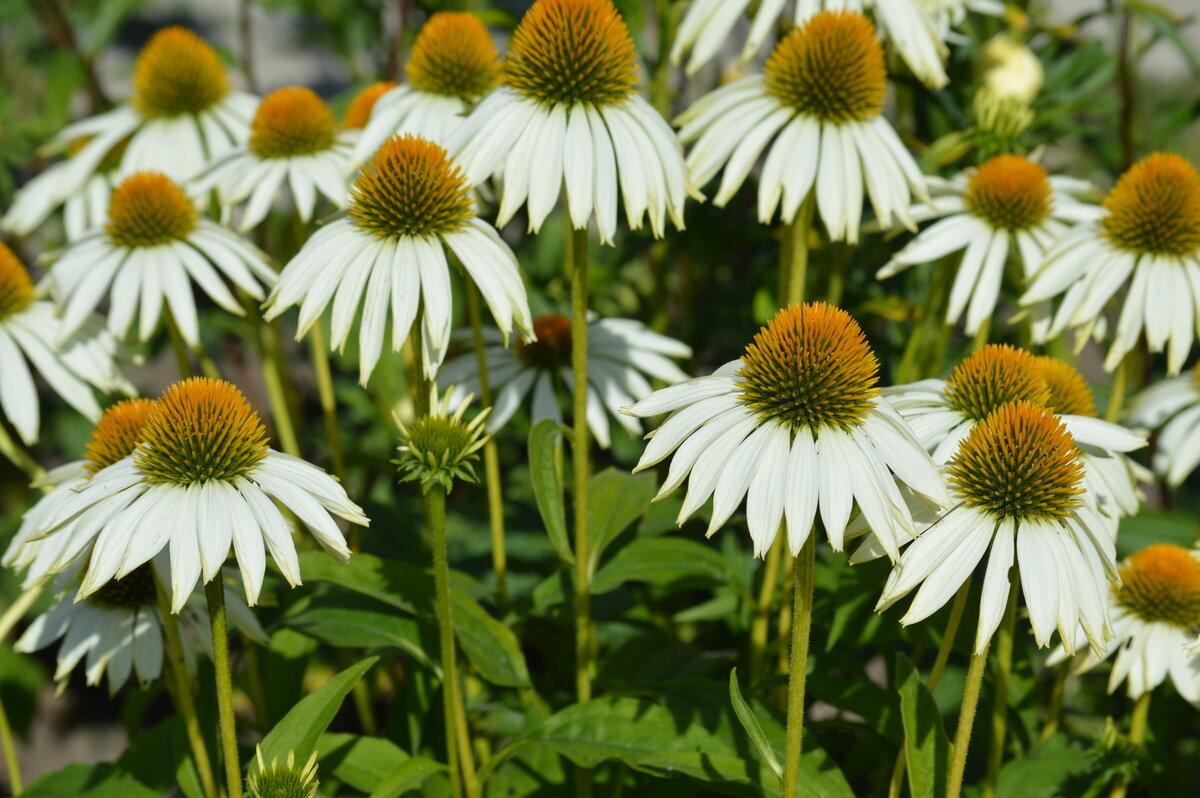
(817, 112)
(623, 356)
(1008, 205)
(408, 206)
(294, 141)
(183, 113)
(118, 628)
(1148, 236)
(287, 780)
(1015, 484)
(568, 115)
(74, 364)
(202, 478)
(942, 413)
(84, 204)
(1172, 406)
(153, 246)
(905, 23)
(798, 422)
(362, 105)
(453, 65)
(439, 447)
(1155, 614)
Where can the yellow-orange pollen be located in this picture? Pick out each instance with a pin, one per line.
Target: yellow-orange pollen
(178, 73)
(831, 67)
(552, 349)
(410, 187)
(993, 376)
(358, 112)
(134, 591)
(117, 433)
(572, 51)
(1155, 207)
(1069, 392)
(290, 122)
(149, 209)
(200, 430)
(810, 366)
(1019, 463)
(454, 55)
(16, 287)
(1162, 583)
(1010, 192)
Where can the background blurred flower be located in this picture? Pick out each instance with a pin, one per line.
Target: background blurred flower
(1172, 407)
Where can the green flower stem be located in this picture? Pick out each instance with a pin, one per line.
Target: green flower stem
(1138, 723)
(802, 598)
(935, 674)
(274, 379)
(760, 625)
(11, 762)
(436, 505)
(584, 643)
(795, 243)
(980, 340)
(1120, 387)
(660, 84)
(418, 386)
(11, 448)
(491, 457)
(930, 321)
(214, 591)
(1004, 654)
(180, 688)
(16, 611)
(179, 346)
(966, 719)
(319, 348)
(1057, 692)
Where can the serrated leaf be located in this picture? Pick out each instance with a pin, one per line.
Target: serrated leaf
(300, 728)
(754, 731)
(926, 746)
(544, 458)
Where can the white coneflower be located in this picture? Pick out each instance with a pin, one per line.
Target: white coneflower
(408, 206)
(31, 333)
(1008, 205)
(294, 141)
(707, 24)
(1172, 406)
(1148, 236)
(1010, 69)
(1155, 614)
(453, 64)
(568, 116)
(153, 246)
(201, 479)
(943, 412)
(84, 204)
(623, 356)
(439, 447)
(1016, 483)
(358, 111)
(183, 112)
(817, 111)
(119, 630)
(797, 422)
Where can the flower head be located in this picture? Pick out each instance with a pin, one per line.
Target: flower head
(282, 780)
(149, 209)
(410, 187)
(440, 447)
(1010, 192)
(551, 349)
(117, 433)
(992, 377)
(289, 122)
(1161, 583)
(358, 112)
(178, 73)
(1155, 207)
(1068, 393)
(572, 51)
(135, 590)
(16, 287)
(453, 55)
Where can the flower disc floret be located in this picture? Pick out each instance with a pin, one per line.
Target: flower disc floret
(16, 287)
(410, 187)
(117, 433)
(454, 55)
(178, 73)
(1019, 463)
(149, 209)
(572, 51)
(1155, 207)
(994, 376)
(358, 112)
(1069, 392)
(283, 780)
(831, 67)
(289, 122)
(200, 430)
(552, 348)
(1010, 193)
(134, 590)
(1162, 583)
(441, 447)
(810, 366)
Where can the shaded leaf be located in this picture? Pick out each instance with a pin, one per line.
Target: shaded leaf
(363, 628)
(491, 646)
(301, 727)
(615, 500)
(926, 747)
(361, 762)
(544, 460)
(662, 561)
(754, 731)
(406, 776)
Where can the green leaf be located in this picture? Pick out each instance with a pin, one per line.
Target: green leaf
(926, 747)
(402, 585)
(662, 561)
(1042, 773)
(615, 500)
(405, 777)
(361, 762)
(491, 646)
(544, 459)
(753, 729)
(363, 628)
(1148, 527)
(301, 727)
(89, 781)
